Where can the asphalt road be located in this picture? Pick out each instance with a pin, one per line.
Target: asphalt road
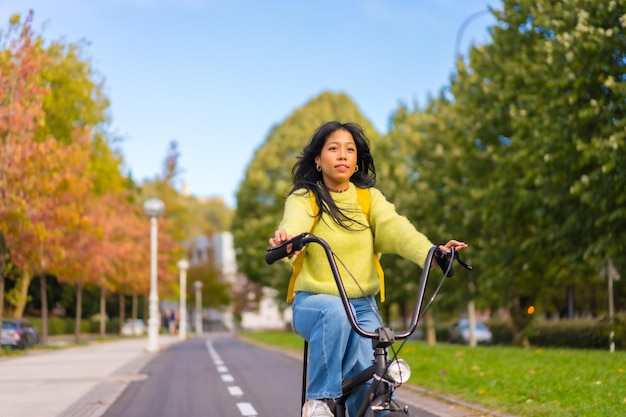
(214, 376)
(219, 375)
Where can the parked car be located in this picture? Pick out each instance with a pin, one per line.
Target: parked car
(19, 334)
(138, 329)
(460, 332)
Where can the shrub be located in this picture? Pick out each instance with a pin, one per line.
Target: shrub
(581, 334)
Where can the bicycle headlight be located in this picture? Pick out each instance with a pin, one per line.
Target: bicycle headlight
(399, 371)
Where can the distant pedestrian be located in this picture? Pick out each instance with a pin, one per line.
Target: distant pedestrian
(172, 322)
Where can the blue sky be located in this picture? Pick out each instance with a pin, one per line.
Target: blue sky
(216, 75)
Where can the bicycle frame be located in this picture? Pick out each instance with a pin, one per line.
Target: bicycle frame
(379, 396)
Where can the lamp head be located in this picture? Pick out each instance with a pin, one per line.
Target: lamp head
(183, 264)
(153, 207)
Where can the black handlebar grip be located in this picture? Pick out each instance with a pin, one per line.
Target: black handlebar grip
(273, 254)
(444, 260)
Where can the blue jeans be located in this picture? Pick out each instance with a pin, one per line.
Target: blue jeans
(336, 352)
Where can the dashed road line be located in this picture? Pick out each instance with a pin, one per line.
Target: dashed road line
(246, 409)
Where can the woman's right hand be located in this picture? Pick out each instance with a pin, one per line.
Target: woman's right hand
(280, 237)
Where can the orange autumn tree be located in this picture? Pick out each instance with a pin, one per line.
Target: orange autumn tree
(41, 181)
(21, 112)
(117, 259)
(132, 266)
(91, 252)
(124, 246)
(56, 191)
(133, 242)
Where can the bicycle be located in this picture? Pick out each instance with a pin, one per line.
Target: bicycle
(386, 375)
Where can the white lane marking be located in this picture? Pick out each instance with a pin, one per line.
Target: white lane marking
(213, 353)
(246, 409)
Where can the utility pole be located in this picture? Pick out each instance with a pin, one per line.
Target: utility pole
(198, 286)
(610, 273)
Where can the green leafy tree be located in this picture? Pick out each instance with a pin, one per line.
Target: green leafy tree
(541, 116)
(76, 96)
(400, 179)
(215, 212)
(421, 172)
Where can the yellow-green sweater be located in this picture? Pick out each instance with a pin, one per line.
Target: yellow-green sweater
(389, 233)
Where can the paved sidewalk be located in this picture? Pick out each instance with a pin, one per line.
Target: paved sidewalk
(50, 383)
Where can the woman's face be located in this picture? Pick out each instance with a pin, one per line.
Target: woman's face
(338, 160)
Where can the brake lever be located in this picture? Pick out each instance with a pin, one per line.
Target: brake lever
(445, 260)
(460, 261)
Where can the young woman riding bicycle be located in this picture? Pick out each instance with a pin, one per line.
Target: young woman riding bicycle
(333, 197)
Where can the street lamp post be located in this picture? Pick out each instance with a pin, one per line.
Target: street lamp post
(183, 265)
(459, 33)
(153, 209)
(198, 286)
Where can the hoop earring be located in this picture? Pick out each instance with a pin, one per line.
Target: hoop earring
(319, 168)
(356, 169)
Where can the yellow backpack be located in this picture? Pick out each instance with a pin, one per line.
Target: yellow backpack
(364, 199)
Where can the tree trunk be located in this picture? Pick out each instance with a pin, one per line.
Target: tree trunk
(103, 311)
(471, 316)
(134, 307)
(386, 314)
(79, 312)
(521, 319)
(145, 308)
(4, 254)
(44, 309)
(431, 334)
(20, 293)
(403, 314)
(1, 294)
(122, 302)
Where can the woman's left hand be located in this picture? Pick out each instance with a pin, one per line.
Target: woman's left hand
(456, 244)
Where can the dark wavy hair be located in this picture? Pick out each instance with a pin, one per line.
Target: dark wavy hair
(306, 176)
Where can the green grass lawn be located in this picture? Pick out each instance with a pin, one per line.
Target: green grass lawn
(524, 382)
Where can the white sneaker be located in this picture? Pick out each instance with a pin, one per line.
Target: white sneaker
(316, 408)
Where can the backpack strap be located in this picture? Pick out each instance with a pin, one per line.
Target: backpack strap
(364, 198)
(297, 265)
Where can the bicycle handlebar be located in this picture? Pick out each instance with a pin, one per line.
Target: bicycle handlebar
(298, 242)
(275, 253)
